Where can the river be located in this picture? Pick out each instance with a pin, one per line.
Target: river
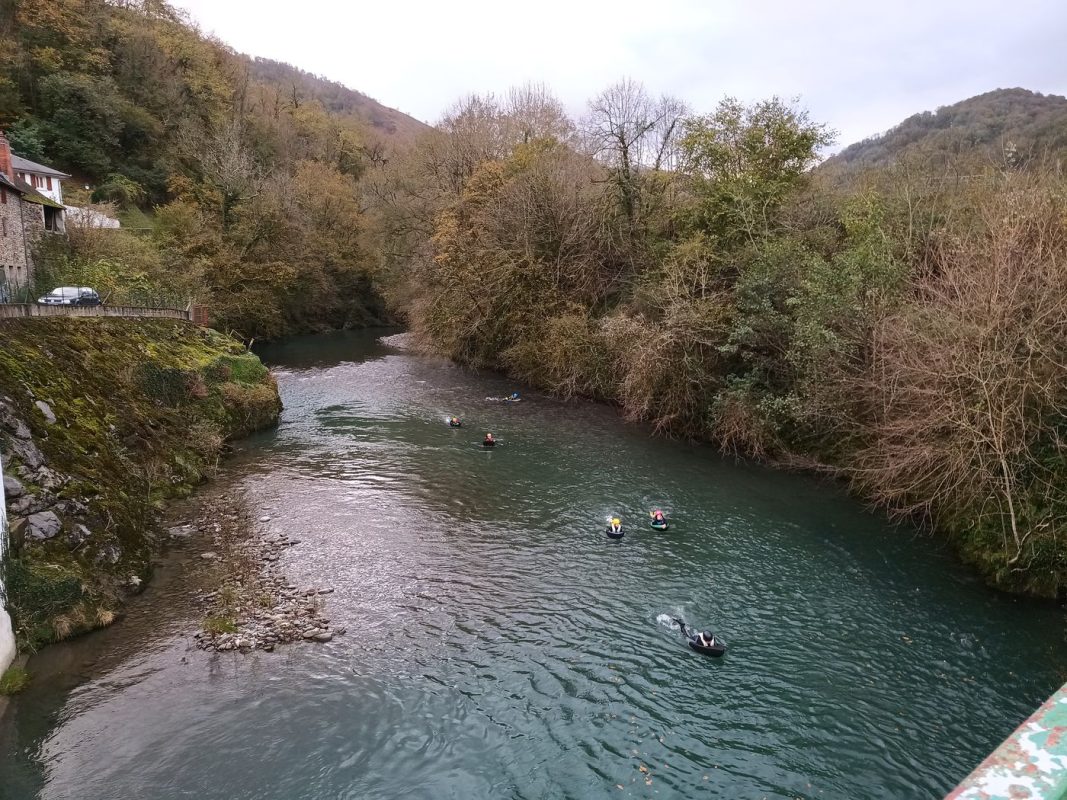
(499, 646)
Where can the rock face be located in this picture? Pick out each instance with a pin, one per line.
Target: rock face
(27, 452)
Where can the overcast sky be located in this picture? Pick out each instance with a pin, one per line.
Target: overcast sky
(857, 67)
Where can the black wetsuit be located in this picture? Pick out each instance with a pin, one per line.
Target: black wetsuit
(696, 637)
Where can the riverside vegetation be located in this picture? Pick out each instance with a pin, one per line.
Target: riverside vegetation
(896, 316)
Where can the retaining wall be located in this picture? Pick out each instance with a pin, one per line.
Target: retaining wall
(19, 310)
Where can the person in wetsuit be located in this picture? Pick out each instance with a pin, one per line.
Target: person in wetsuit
(703, 638)
(489, 441)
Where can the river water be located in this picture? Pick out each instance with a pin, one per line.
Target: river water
(499, 646)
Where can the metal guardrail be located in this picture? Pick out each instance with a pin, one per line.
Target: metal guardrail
(23, 310)
(1031, 763)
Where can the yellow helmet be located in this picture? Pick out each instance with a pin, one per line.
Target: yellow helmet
(616, 521)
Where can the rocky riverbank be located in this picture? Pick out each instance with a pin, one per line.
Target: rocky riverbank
(102, 423)
(255, 606)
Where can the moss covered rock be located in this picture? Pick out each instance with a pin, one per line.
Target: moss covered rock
(102, 420)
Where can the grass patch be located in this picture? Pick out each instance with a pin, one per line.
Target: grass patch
(217, 625)
(14, 680)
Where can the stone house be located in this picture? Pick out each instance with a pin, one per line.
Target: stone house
(25, 215)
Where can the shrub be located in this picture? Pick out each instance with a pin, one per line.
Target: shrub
(14, 680)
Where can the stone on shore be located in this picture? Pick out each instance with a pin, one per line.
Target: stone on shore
(13, 487)
(46, 409)
(43, 525)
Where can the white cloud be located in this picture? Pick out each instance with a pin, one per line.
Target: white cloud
(861, 68)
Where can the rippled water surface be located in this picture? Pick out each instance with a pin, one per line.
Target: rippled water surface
(499, 646)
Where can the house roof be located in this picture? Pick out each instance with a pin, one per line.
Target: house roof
(25, 165)
(7, 183)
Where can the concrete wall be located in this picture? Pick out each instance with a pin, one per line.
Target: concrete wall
(19, 310)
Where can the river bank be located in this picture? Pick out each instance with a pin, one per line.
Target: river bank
(102, 422)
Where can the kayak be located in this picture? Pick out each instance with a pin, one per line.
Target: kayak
(716, 649)
(659, 526)
(614, 534)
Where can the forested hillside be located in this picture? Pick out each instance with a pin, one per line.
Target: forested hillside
(337, 99)
(1007, 126)
(902, 329)
(241, 175)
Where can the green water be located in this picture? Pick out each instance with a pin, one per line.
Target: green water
(499, 646)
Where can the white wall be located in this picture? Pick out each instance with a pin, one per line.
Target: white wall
(7, 636)
(78, 217)
(7, 641)
(40, 185)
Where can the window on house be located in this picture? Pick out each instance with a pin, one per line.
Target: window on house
(48, 180)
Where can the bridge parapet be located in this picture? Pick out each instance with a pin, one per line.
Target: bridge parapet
(1031, 763)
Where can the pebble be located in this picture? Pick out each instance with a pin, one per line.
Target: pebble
(264, 519)
(209, 554)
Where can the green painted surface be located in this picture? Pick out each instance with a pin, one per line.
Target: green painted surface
(1031, 763)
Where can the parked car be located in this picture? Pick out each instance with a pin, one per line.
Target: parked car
(71, 296)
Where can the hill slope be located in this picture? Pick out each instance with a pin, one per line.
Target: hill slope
(136, 90)
(1016, 124)
(337, 98)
